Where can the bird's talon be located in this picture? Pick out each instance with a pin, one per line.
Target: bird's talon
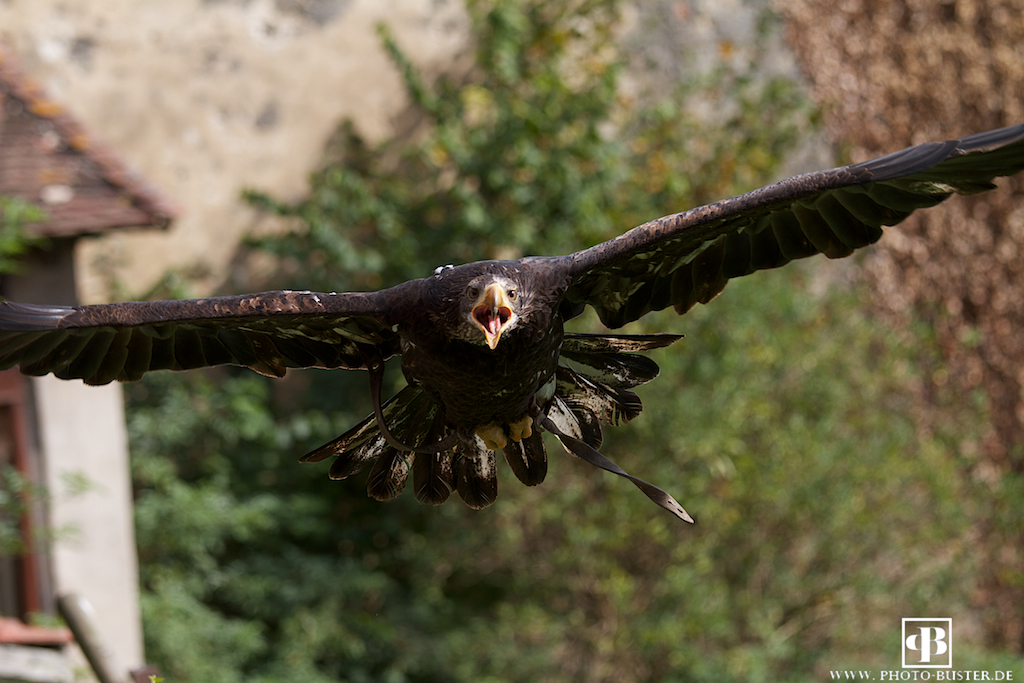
(523, 429)
(493, 436)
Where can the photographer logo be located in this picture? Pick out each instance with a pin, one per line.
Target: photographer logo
(927, 643)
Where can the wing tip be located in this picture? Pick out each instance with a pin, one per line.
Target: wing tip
(15, 317)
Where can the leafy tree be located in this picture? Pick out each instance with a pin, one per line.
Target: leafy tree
(784, 422)
(15, 213)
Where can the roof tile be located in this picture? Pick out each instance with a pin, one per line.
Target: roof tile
(47, 157)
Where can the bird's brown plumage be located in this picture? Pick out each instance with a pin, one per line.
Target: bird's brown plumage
(463, 395)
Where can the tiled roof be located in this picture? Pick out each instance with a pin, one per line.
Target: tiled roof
(48, 158)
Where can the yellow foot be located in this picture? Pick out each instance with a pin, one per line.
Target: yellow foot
(492, 435)
(523, 429)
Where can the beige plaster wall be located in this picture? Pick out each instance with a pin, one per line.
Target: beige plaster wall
(206, 97)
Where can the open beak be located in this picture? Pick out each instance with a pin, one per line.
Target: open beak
(493, 313)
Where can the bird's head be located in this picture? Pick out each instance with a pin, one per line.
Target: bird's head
(491, 305)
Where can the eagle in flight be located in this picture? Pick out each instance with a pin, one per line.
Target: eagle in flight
(483, 349)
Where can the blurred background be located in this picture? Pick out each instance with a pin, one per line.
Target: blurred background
(849, 435)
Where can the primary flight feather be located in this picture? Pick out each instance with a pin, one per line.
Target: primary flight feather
(488, 363)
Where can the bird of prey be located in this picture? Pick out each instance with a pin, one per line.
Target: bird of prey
(483, 349)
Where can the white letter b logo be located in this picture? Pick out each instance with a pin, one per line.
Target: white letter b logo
(925, 640)
(927, 643)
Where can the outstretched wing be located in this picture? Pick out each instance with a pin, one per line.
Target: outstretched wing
(688, 257)
(267, 332)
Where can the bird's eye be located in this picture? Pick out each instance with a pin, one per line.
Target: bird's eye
(512, 294)
(473, 293)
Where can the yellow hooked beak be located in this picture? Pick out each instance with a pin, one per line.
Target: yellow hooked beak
(493, 312)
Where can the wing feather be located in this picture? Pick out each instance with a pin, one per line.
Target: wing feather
(268, 332)
(687, 258)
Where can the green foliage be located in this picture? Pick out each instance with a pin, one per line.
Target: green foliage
(792, 423)
(783, 423)
(14, 214)
(15, 493)
(531, 153)
(18, 495)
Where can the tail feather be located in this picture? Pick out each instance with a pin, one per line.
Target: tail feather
(356, 437)
(411, 416)
(592, 385)
(476, 477)
(389, 474)
(414, 422)
(433, 478)
(353, 461)
(528, 459)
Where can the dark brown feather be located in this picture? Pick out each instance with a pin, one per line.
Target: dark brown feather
(268, 332)
(433, 477)
(388, 475)
(457, 384)
(528, 459)
(476, 477)
(837, 211)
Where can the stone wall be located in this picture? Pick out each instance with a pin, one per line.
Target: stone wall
(207, 97)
